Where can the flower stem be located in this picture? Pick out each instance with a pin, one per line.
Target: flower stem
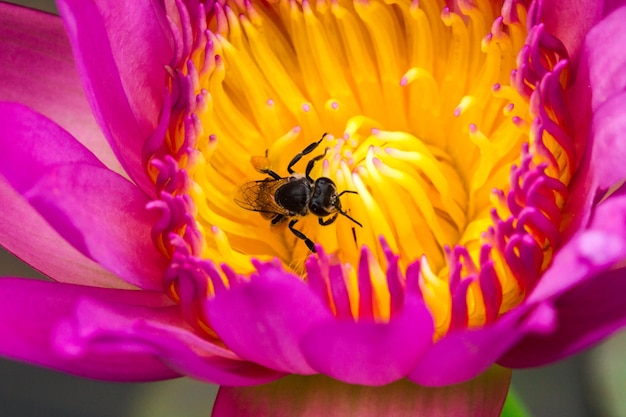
(513, 406)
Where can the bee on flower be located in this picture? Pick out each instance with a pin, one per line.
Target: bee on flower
(462, 212)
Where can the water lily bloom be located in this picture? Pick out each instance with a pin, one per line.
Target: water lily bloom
(160, 164)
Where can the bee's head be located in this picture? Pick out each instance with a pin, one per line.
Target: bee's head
(325, 200)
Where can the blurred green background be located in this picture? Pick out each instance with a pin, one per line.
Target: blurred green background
(591, 384)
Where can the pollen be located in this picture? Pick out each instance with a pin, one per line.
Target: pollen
(445, 166)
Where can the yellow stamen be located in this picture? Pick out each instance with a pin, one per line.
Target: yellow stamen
(422, 124)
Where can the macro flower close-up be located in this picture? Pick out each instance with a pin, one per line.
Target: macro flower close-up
(408, 198)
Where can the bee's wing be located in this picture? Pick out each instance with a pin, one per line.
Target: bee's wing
(259, 196)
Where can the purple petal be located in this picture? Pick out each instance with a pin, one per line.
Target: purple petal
(43, 76)
(603, 51)
(272, 312)
(584, 285)
(587, 255)
(461, 356)
(586, 315)
(370, 353)
(31, 311)
(100, 213)
(571, 20)
(97, 326)
(31, 144)
(105, 217)
(548, 326)
(312, 396)
(121, 52)
(597, 101)
(111, 334)
(609, 147)
(40, 246)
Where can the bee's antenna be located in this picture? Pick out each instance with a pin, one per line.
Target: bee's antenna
(338, 206)
(346, 191)
(348, 216)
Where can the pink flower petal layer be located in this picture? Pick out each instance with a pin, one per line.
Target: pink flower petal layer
(586, 315)
(31, 314)
(23, 231)
(571, 20)
(112, 334)
(122, 66)
(603, 51)
(100, 213)
(42, 75)
(370, 353)
(609, 150)
(105, 217)
(460, 356)
(40, 246)
(585, 285)
(320, 396)
(578, 301)
(272, 312)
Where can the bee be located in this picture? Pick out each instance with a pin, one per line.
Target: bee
(289, 198)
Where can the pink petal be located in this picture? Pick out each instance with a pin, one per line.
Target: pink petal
(42, 75)
(595, 101)
(105, 217)
(99, 212)
(320, 396)
(589, 254)
(370, 353)
(111, 334)
(462, 355)
(272, 312)
(586, 315)
(31, 144)
(40, 246)
(121, 52)
(99, 326)
(585, 286)
(571, 20)
(609, 147)
(31, 313)
(603, 52)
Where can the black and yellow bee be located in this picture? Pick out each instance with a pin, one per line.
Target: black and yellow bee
(289, 198)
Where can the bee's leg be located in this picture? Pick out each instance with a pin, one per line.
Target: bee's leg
(305, 151)
(309, 243)
(270, 173)
(277, 219)
(329, 221)
(309, 166)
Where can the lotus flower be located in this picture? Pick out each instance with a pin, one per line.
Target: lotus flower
(470, 212)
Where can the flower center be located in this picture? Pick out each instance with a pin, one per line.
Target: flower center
(429, 150)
